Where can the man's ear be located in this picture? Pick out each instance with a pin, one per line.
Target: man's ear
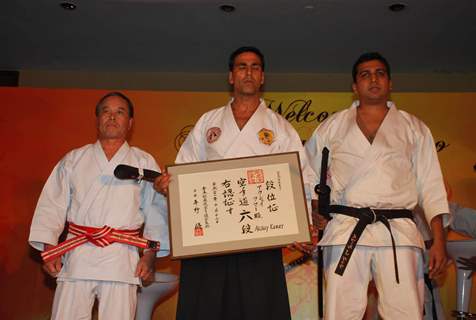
(230, 78)
(131, 122)
(354, 88)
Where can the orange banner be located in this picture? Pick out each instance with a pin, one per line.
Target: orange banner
(38, 126)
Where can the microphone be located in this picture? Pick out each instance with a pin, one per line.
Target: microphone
(125, 172)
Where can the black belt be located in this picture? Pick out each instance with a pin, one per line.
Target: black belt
(367, 216)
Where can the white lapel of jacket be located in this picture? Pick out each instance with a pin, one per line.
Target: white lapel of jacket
(230, 132)
(105, 176)
(376, 148)
(247, 139)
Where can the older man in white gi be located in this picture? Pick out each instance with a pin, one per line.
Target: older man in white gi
(382, 163)
(100, 259)
(247, 285)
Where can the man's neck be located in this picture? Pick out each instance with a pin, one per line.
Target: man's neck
(373, 108)
(243, 102)
(373, 105)
(243, 108)
(370, 118)
(111, 146)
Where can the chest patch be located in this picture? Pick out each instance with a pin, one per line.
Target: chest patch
(213, 134)
(266, 136)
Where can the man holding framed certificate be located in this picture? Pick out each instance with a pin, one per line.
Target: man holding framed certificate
(249, 285)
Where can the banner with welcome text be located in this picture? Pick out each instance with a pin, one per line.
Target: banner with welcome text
(38, 126)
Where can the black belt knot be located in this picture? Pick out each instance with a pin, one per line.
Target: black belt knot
(367, 216)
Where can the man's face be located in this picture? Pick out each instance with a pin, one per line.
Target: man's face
(247, 75)
(113, 121)
(372, 83)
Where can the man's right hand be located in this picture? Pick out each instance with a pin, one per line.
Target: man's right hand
(52, 267)
(161, 184)
(319, 221)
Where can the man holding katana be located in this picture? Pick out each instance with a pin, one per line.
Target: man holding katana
(382, 163)
(103, 216)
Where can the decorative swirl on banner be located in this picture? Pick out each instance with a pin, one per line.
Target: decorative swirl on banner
(180, 138)
(441, 145)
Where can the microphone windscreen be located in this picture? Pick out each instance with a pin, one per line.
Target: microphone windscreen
(125, 172)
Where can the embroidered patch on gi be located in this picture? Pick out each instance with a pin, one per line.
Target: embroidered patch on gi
(266, 136)
(213, 134)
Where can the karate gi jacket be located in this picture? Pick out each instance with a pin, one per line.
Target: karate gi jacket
(399, 170)
(82, 189)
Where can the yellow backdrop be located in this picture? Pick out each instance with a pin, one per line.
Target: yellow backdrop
(38, 126)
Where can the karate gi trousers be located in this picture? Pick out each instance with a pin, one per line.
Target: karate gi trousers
(346, 295)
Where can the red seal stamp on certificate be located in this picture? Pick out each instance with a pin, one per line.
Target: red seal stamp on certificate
(198, 231)
(213, 134)
(255, 176)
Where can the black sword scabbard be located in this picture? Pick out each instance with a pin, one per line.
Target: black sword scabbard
(323, 192)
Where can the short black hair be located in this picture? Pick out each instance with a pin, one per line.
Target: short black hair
(130, 106)
(240, 50)
(368, 56)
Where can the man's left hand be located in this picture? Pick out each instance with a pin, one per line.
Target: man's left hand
(304, 247)
(438, 259)
(146, 265)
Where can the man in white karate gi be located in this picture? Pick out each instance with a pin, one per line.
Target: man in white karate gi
(245, 285)
(103, 217)
(382, 163)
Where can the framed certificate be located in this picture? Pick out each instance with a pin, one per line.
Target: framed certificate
(235, 205)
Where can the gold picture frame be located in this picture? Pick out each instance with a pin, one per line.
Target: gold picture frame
(236, 205)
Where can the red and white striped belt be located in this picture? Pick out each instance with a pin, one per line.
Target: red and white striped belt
(101, 237)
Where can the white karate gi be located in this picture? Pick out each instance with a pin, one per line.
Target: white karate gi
(83, 190)
(399, 170)
(250, 285)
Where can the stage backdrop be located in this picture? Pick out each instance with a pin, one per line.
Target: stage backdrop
(38, 126)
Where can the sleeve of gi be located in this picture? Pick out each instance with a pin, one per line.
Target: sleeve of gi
(313, 149)
(293, 143)
(51, 210)
(430, 186)
(154, 208)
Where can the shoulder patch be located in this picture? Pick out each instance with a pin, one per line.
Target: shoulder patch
(266, 136)
(213, 134)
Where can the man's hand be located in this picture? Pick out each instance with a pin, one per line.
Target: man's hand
(52, 267)
(161, 184)
(319, 221)
(304, 247)
(438, 257)
(146, 265)
(468, 264)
